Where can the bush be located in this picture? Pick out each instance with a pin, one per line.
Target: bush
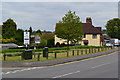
(57, 44)
(50, 42)
(43, 42)
(63, 44)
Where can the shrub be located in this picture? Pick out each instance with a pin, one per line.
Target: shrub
(43, 42)
(63, 44)
(57, 44)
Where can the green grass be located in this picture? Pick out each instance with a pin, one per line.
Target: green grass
(51, 55)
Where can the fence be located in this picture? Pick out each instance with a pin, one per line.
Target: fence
(38, 56)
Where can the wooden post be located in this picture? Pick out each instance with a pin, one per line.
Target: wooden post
(55, 55)
(89, 50)
(67, 53)
(77, 52)
(92, 50)
(81, 52)
(4, 55)
(73, 52)
(86, 51)
(39, 57)
(98, 49)
(47, 56)
(95, 50)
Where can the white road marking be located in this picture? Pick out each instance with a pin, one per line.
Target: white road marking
(59, 64)
(66, 74)
(100, 65)
(21, 70)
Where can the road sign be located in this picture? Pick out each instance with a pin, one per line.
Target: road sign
(26, 38)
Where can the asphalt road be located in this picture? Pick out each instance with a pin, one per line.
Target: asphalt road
(101, 67)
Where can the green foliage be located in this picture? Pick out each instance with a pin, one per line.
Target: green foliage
(113, 28)
(57, 48)
(19, 37)
(9, 29)
(70, 28)
(43, 42)
(38, 32)
(58, 44)
(11, 40)
(50, 42)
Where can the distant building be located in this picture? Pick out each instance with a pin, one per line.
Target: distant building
(93, 35)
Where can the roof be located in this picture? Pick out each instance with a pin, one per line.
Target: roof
(88, 28)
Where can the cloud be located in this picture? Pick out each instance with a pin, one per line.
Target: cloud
(44, 15)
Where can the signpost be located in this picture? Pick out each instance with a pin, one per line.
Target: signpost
(26, 38)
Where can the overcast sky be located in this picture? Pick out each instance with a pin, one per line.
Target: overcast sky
(44, 15)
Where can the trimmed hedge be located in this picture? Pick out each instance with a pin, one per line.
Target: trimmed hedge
(57, 48)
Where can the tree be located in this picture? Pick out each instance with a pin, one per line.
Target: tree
(113, 28)
(9, 29)
(19, 37)
(70, 28)
(30, 30)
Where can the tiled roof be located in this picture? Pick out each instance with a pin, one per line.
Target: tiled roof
(88, 28)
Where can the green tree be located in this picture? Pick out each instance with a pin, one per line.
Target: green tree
(19, 37)
(113, 28)
(30, 30)
(9, 29)
(70, 28)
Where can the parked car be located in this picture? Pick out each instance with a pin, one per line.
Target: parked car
(109, 45)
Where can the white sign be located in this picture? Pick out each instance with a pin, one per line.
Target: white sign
(37, 39)
(26, 38)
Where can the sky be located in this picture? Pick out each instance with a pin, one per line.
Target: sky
(44, 15)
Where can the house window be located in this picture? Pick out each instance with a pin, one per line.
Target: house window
(94, 36)
(84, 36)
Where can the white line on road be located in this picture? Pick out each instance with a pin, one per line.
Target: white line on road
(66, 74)
(100, 65)
(22, 70)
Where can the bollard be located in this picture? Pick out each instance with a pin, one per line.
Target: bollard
(4, 56)
(55, 55)
(77, 52)
(73, 52)
(38, 56)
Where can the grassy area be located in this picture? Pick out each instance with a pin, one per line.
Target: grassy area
(51, 49)
(59, 55)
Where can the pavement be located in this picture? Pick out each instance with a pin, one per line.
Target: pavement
(100, 67)
(6, 64)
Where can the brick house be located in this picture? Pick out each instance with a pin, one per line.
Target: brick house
(92, 35)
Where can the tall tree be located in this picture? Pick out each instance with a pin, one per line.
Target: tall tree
(30, 30)
(70, 28)
(9, 29)
(19, 37)
(113, 28)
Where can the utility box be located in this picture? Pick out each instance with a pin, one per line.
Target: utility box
(27, 54)
(45, 52)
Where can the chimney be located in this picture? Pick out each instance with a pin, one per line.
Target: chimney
(88, 20)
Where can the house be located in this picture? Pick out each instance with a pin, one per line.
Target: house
(91, 35)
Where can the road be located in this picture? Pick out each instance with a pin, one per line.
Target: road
(99, 67)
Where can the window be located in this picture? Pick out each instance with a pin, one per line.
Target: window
(94, 36)
(84, 35)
